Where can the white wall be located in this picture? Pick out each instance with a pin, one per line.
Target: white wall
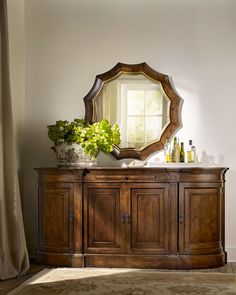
(69, 42)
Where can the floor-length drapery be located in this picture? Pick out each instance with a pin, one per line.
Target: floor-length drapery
(13, 251)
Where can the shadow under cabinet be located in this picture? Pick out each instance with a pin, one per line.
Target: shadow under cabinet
(132, 217)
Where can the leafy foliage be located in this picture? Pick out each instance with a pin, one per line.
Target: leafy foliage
(93, 138)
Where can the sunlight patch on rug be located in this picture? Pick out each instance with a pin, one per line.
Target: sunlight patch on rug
(105, 281)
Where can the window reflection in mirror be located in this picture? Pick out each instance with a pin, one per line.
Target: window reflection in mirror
(138, 105)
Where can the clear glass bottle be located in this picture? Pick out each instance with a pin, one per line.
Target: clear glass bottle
(182, 153)
(167, 151)
(190, 152)
(194, 154)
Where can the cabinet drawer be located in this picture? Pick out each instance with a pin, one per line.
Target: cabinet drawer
(126, 176)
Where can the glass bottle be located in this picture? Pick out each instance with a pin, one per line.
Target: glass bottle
(182, 153)
(167, 151)
(177, 151)
(173, 151)
(190, 152)
(194, 154)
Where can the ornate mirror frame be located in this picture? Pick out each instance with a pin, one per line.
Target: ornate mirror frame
(174, 112)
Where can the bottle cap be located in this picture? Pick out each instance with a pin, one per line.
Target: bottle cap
(190, 142)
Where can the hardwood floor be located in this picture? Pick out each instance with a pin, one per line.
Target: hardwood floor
(9, 285)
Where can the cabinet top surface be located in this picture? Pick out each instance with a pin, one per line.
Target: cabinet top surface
(165, 166)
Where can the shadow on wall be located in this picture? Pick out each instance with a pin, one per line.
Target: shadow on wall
(37, 153)
(211, 160)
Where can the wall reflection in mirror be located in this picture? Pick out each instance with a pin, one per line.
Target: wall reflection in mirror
(138, 105)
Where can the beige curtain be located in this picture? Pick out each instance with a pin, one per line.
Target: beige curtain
(13, 252)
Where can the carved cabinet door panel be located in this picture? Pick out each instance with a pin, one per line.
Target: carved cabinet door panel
(102, 218)
(55, 217)
(200, 218)
(149, 221)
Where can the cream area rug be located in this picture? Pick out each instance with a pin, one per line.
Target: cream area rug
(90, 281)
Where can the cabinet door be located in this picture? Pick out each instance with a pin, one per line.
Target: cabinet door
(149, 232)
(200, 222)
(55, 217)
(102, 221)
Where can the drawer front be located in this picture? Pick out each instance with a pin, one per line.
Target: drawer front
(126, 176)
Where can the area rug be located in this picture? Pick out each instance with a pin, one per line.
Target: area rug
(90, 281)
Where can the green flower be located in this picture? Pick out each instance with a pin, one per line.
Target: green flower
(93, 138)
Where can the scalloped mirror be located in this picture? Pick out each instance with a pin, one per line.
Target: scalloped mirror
(141, 101)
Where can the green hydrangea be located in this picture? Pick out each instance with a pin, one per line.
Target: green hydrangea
(93, 138)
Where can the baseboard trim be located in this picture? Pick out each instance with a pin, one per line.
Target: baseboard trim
(231, 254)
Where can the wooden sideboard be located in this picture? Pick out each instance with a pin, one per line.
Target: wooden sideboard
(132, 217)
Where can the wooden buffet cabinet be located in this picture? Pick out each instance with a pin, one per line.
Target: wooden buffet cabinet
(132, 217)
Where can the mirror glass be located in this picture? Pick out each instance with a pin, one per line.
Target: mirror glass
(138, 105)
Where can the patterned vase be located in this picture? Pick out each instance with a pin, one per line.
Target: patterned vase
(72, 155)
